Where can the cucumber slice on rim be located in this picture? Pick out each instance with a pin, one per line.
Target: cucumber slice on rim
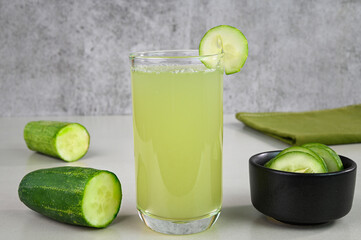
(231, 42)
(298, 162)
(331, 158)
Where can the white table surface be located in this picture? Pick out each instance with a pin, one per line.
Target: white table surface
(111, 148)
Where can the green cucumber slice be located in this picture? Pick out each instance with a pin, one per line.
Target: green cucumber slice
(299, 149)
(74, 195)
(302, 149)
(298, 162)
(331, 158)
(231, 42)
(67, 141)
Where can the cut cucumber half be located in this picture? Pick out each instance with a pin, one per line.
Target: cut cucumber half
(298, 162)
(231, 42)
(74, 195)
(331, 158)
(64, 140)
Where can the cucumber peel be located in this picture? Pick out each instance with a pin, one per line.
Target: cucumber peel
(64, 140)
(228, 40)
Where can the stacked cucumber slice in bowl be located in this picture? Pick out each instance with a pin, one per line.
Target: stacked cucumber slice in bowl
(308, 158)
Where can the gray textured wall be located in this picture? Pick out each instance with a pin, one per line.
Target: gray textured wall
(71, 57)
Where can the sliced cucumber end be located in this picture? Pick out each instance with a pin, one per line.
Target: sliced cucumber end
(72, 142)
(102, 198)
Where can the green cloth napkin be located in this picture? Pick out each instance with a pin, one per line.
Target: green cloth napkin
(331, 126)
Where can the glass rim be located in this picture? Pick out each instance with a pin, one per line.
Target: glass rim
(153, 54)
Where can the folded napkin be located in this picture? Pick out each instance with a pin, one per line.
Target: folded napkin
(331, 126)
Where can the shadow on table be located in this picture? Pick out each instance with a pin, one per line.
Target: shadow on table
(13, 157)
(255, 225)
(242, 221)
(35, 225)
(37, 160)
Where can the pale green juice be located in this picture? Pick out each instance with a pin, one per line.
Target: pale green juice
(178, 135)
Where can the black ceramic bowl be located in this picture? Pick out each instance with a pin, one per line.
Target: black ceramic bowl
(301, 198)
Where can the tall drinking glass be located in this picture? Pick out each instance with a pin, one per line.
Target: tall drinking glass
(178, 137)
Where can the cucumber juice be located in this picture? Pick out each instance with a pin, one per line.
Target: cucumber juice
(178, 136)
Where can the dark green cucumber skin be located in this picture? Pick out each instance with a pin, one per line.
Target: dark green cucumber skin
(40, 136)
(58, 193)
